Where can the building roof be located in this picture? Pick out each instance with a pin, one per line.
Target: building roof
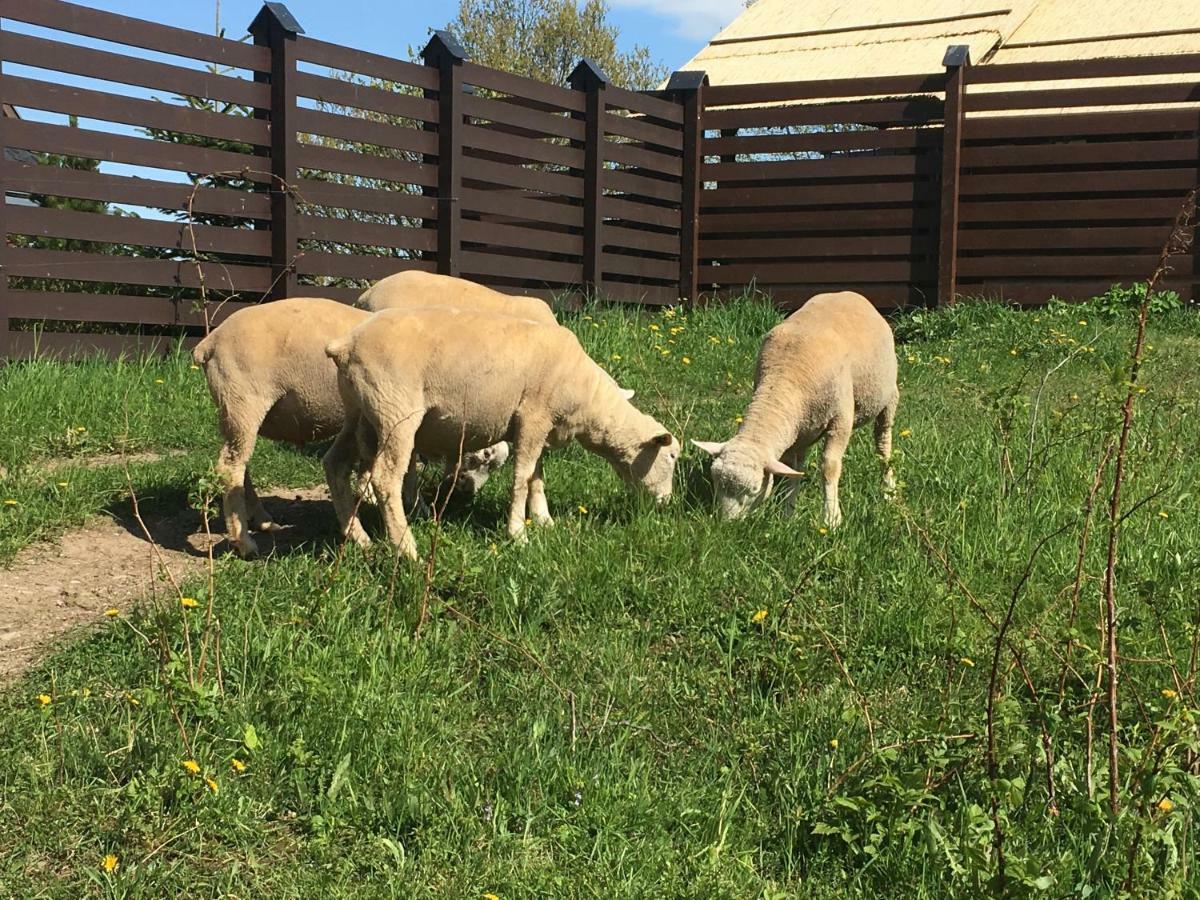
(788, 40)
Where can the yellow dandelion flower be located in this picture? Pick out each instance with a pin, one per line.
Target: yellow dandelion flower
(1162, 514)
(189, 602)
(1014, 351)
(583, 509)
(211, 783)
(822, 530)
(738, 420)
(906, 432)
(730, 340)
(713, 339)
(43, 699)
(968, 662)
(758, 616)
(834, 743)
(666, 353)
(493, 549)
(159, 381)
(669, 313)
(1083, 321)
(1074, 396)
(112, 612)
(529, 521)
(133, 701)
(616, 357)
(194, 367)
(1165, 805)
(64, 484)
(110, 863)
(654, 326)
(687, 361)
(1169, 694)
(192, 766)
(10, 503)
(237, 765)
(911, 358)
(490, 897)
(79, 429)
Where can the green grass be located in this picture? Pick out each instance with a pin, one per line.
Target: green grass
(599, 713)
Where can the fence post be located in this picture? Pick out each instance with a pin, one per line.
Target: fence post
(6, 350)
(956, 61)
(276, 28)
(588, 77)
(687, 88)
(444, 53)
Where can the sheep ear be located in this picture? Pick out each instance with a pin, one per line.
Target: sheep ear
(713, 447)
(663, 440)
(626, 393)
(775, 467)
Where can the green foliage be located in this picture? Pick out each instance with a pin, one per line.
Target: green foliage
(1120, 301)
(545, 39)
(641, 701)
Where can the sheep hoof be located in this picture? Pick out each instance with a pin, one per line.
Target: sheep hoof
(246, 548)
(544, 521)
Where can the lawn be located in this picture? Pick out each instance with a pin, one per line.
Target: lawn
(642, 702)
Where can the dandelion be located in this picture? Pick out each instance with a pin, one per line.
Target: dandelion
(834, 743)
(43, 699)
(737, 420)
(210, 783)
(822, 530)
(669, 313)
(968, 662)
(112, 612)
(687, 361)
(1075, 397)
(1162, 514)
(583, 509)
(758, 616)
(132, 700)
(194, 367)
(729, 340)
(654, 326)
(10, 503)
(490, 897)
(713, 339)
(192, 766)
(906, 432)
(493, 549)
(1014, 351)
(63, 484)
(1165, 805)
(109, 863)
(237, 765)
(1083, 321)
(911, 358)
(1169, 694)
(616, 357)
(529, 521)
(159, 381)
(188, 602)
(79, 429)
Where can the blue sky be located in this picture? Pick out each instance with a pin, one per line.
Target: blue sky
(673, 29)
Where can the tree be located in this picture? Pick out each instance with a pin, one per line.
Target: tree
(544, 39)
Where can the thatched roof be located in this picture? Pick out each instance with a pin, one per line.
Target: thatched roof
(799, 40)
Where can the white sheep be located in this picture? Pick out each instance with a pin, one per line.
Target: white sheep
(423, 384)
(825, 370)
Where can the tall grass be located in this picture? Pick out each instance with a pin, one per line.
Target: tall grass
(650, 702)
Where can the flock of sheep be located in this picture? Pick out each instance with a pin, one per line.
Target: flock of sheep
(442, 368)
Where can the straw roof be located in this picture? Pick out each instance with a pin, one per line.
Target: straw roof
(790, 40)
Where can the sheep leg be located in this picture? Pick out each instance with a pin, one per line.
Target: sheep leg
(883, 445)
(411, 490)
(339, 463)
(393, 465)
(260, 519)
(528, 444)
(539, 510)
(795, 458)
(836, 441)
(231, 469)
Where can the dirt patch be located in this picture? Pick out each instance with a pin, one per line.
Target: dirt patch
(99, 461)
(52, 589)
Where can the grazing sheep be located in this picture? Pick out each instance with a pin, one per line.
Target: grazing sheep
(420, 382)
(825, 370)
(268, 374)
(405, 290)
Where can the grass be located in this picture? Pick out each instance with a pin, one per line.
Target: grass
(641, 702)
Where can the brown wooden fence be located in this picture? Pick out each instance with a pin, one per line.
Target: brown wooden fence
(294, 166)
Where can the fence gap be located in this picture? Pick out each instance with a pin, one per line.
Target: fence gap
(275, 28)
(956, 61)
(687, 88)
(444, 53)
(588, 77)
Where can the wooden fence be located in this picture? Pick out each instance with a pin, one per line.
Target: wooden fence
(236, 172)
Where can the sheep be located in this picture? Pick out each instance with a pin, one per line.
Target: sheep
(825, 370)
(268, 374)
(421, 383)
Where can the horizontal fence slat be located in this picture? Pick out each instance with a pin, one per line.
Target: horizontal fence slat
(507, 266)
(851, 167)
(361, 62)
(58, 56)
(977, 128)
(1072, 211)
(636, 239)
(643, 294)
(89, 22)
(523, 87)
(86, 185)
(512, 205)
(1140, 266)
(1077, 153)
(641, 130)
(1120, 95)
(1065, 70)
(25, 262)
(816, 195)
(642, 158)
(495, 234)
(998, 239)
(312, 192)
(535, 121)
(338, 92)
(520, 177)
(356, 265)
(779, 92)
(878, 112)
(365, 165)
(632, 211)
(640, 266)
(89, 104)
(635, 101)
(91, 144)
(371, 234)
(364, 131)
(86, 226)
(757, 247)
(801, 272)
(641, 186)
(824, 142)
(769, 223)
(792, 296)
(80, 307)
(1155, 180)
(521, 149)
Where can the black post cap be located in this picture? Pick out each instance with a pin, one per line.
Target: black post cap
(586, 73)
(957, 55)
(443, 44)
(276, 14)
(687, 81)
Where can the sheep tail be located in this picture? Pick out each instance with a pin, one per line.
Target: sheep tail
(339, 351)
(204, 350)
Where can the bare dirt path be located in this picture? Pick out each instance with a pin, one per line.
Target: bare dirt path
(54, 588)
